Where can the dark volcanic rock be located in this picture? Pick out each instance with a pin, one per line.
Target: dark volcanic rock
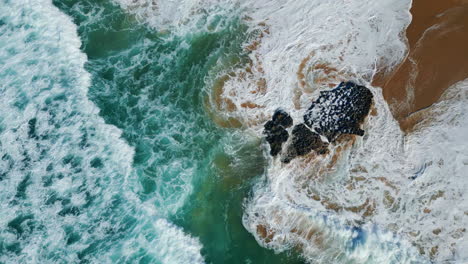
(276, 136)
(275, 130)
(282, 118)
(335, 112)
(339, 111)
(304, 141)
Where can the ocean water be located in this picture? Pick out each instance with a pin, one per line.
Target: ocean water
(131, 133)
(108, 155)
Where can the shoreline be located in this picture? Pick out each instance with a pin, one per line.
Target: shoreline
(436, 59)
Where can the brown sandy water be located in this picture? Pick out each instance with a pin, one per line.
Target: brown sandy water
(220, 104)
(437, 59)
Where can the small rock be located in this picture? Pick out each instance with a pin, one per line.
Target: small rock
(282, 118)
(275, 131)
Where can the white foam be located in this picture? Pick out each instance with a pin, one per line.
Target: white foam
(410, 182)
(170, 241)
(323, 238)
(180, 17)
(72, 161)
(436, 154)
(353, 37)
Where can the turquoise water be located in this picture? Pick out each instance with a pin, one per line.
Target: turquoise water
(163, 184)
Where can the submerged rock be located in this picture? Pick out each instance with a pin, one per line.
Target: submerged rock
(275, 130)
(304, 141)
(339, 111)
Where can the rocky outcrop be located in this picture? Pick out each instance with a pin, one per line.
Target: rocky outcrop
(339, 111)
(275, 130)
(335, 112)
(304, 141)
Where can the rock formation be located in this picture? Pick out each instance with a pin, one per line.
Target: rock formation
(335, 112)
(339, 111)
(275, 130)
(304, 141)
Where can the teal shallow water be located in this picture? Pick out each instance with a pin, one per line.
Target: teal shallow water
(75, 192)
(152, 86)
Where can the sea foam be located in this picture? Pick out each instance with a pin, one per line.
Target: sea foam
(65, 175)
(308, 47)
(386, 181)
(375, 199)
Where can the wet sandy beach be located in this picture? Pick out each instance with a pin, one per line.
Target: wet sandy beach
(437, 58)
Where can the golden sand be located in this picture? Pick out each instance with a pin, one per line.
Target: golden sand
(437, 59)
